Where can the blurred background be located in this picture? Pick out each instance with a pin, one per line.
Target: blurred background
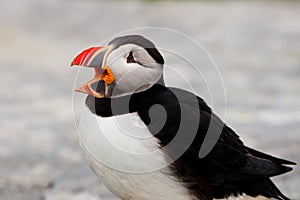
(255, 45)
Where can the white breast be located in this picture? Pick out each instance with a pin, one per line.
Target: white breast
(126, 157)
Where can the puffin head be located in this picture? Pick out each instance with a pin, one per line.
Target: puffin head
(128, 65)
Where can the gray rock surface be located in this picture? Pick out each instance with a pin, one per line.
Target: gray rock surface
(255, 45)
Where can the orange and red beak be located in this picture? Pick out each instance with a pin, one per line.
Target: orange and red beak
(95, 57)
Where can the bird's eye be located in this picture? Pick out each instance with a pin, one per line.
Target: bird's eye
(130, 58)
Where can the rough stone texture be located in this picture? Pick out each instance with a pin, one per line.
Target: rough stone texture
(255, 45)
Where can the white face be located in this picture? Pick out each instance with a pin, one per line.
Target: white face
(134, 73)
(120, 71)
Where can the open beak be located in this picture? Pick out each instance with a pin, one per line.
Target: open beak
(95, 57)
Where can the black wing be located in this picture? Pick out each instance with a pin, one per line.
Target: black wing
(230, 168)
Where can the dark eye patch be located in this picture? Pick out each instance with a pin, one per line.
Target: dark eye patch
(130, 58)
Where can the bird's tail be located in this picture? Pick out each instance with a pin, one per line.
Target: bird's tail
(266, 188)
(259, 168)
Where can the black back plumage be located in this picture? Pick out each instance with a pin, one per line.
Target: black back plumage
(230, 168)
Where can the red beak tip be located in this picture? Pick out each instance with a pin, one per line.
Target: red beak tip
(81, 58)
(74, 62)
(78, 59)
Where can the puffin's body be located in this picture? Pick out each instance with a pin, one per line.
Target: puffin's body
(142, 139)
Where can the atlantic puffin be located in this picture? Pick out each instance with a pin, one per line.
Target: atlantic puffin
(130, 116)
